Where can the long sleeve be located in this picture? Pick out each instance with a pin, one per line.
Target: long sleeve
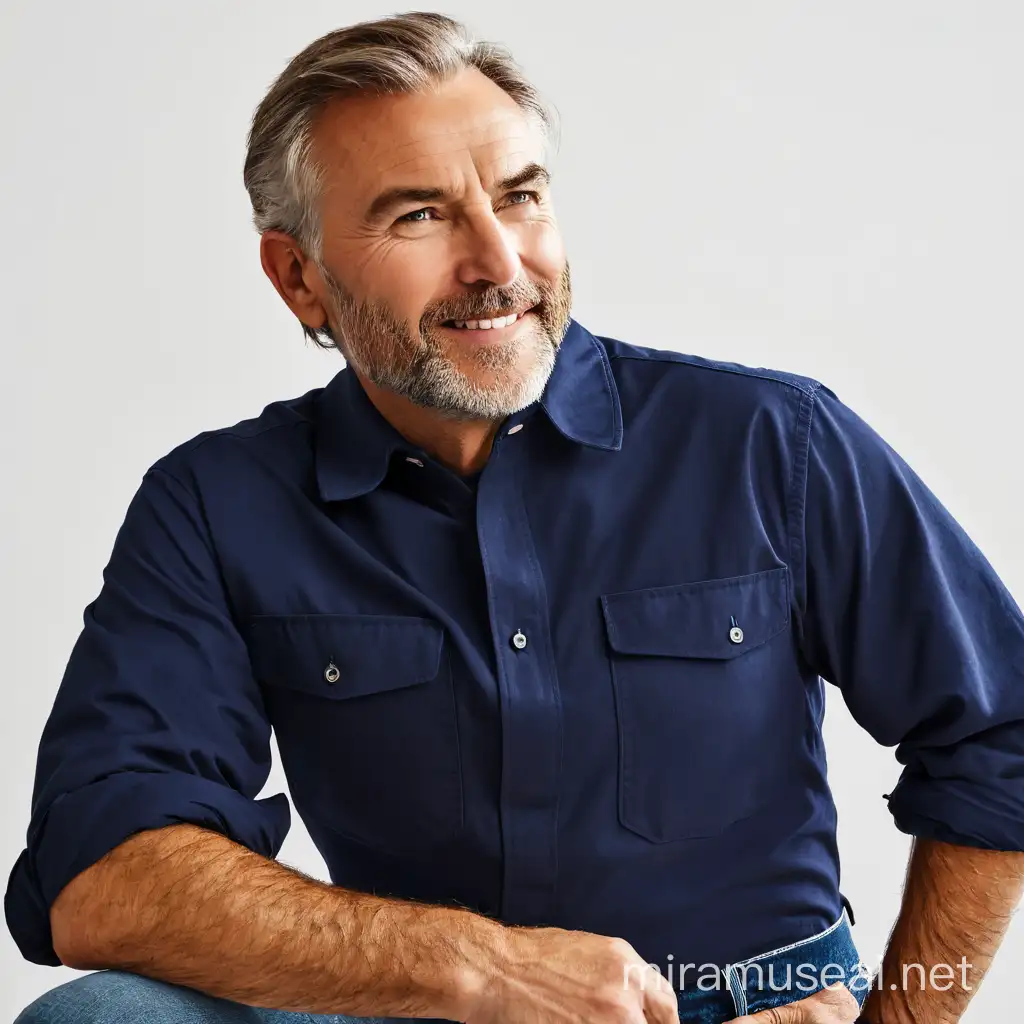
(903, 613)
(158, 719)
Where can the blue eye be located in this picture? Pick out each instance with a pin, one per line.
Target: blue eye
(420, 216)
(412, 218)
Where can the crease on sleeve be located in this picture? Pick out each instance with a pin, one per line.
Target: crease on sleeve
(956, 811)
(84, 825)
(970, 793)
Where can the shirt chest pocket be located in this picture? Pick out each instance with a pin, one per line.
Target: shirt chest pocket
(364, 712)
(707, 703)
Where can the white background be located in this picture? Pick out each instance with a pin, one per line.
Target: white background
(832, 189)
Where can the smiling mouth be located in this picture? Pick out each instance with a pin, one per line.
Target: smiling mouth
(488, 324)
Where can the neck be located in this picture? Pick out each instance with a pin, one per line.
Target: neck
(462, 445)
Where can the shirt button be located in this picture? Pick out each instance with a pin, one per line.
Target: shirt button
(736, 635)
(519, 640)
(515, 429)
(331, 673)
(415, 462)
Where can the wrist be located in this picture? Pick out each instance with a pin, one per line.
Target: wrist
(474, 954)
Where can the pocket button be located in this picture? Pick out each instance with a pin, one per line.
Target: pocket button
(331, 673)
(736, 635)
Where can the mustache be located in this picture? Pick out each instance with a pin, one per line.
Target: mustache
(517, 296)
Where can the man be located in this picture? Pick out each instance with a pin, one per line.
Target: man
(540, 620)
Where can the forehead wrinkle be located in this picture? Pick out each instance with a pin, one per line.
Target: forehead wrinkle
(523, 152)
(487, 129)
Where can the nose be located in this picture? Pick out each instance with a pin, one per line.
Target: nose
(492, 255)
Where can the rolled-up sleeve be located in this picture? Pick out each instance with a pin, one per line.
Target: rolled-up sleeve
(903, 613)
(157, 721)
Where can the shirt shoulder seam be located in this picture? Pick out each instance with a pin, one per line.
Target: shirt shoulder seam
(808, 388)
(186, 448)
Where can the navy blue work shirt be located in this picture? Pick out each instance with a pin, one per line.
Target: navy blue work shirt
(585, 692)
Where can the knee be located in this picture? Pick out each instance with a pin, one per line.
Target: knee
(106, 996)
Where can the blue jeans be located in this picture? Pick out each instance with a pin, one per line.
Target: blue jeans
(706, 995)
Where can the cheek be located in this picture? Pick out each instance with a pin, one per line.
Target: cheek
(542, 249)
(407, 278)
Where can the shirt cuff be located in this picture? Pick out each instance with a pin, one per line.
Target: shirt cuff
(958, 811)
(83, 825)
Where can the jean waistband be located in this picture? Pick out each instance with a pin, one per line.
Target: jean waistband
(775, 977)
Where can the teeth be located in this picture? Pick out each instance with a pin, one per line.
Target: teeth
(487, 325)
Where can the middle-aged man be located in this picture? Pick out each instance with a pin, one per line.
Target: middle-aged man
(540, 620)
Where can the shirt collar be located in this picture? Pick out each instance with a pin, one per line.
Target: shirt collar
(354, 442)
(581, 398)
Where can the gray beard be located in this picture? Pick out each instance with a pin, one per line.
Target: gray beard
(435, 381)
(381, 346)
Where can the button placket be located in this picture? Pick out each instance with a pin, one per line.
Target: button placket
(531, 733)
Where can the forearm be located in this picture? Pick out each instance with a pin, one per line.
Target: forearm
(957, 905)
(188, 906)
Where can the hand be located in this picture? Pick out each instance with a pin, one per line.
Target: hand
(833, 1005)
(554, 976)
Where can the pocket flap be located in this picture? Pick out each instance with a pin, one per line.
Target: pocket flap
(371, 653)
(696, 620)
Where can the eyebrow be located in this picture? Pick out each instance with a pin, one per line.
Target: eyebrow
(532, 173)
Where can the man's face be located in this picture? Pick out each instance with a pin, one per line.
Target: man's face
(436, 211)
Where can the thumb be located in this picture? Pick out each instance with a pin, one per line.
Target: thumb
(791, 1013)
(831, 1005)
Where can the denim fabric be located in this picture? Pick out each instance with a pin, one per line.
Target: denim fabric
(705, 996)
(794, 972)
(772, 978)
(118, 997)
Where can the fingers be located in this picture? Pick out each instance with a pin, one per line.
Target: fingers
(660, 1003)
(833, 1005)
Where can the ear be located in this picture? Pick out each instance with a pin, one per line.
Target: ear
(295, 277)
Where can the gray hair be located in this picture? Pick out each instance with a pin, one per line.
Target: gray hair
(401, 54)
